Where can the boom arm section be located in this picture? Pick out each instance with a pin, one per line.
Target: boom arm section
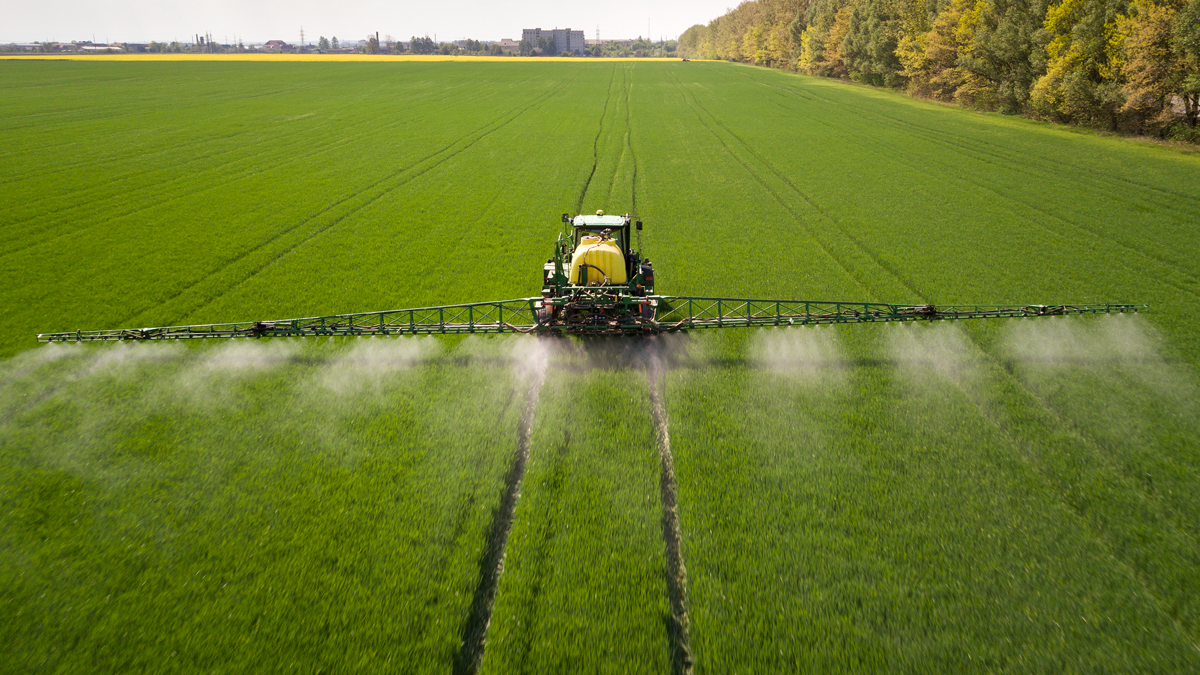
(687, 313)
(505, 316)
(606, 314)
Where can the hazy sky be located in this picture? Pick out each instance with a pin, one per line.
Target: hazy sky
(260, 20)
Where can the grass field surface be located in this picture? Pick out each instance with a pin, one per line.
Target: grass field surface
(1013, 496)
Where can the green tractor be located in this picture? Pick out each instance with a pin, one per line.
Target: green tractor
(596, 280)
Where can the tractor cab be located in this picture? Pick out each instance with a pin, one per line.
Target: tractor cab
(616, 227)
(597, 251)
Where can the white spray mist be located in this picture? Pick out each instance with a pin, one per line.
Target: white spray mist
(809, 356)
(369, 362)
(941, 350)
(206, 381)
(121, 358)
(1060, 342)
(531, 358)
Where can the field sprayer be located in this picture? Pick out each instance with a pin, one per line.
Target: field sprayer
(596, 283)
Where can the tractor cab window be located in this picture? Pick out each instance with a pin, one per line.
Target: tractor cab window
(616, 234)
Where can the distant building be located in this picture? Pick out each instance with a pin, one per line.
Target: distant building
(276, 45)
(565, 39)
(509, 45)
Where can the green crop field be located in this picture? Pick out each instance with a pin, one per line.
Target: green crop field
(1015, 496)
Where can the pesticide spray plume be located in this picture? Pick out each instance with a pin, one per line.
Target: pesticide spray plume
(121, 358)
(1118, 340)
(34, 376)
(1109, 347)
(620, 352)
(246, 356)
(940, 349)
(30, 359)
(810, 355)
(206, 380)
(531, 357)
(369, 362)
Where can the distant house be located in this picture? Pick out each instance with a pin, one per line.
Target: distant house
(509, 45)
(276, 46)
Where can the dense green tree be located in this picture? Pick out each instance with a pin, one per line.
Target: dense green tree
(1082, 83)
(1162, 80)
(421, 45)
(1007, 53)
(822, 25)
(1187, 49)
(547, 47)
(1120, 64)
(869, 48)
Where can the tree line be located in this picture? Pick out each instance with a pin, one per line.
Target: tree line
(1125, 65)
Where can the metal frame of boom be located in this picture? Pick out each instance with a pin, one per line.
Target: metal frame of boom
(607, 314)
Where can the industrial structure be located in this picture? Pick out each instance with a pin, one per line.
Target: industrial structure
(565, 39)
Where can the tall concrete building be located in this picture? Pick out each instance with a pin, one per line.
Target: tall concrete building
(565, 39)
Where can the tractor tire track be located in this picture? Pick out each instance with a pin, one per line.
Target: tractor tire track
(1180, 285)
(536, 559)
(81, 198)
(1150, 259)
(182, 181)
(838, 261)
(629, 142)
(924, 298)
(185, 181)
(155, 156)
(678, 624)
(909, 285)
(89, 117)
(170, 149)
(626, 145)
(491, 564)
(1096, 178)
(996, 159)
(66, 146)
(812, 203)
(167, 150)
(596, 144)
(1061, 421)
(1028, 455)
(401, 178)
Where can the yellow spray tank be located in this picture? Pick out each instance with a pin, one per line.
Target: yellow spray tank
(597, 260)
